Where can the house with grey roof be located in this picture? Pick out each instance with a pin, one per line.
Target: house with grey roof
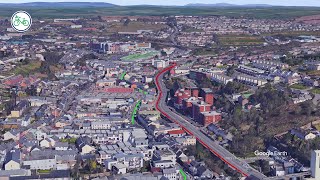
(40, 162)
(83, 144)
(12, 160)
(119, 169)
(131, 161)
(164, 158)
(26, 120)
(171, 173)
(47, 143)
(20, 108)
(61, 146)
(14, 173)
(12, 134)
(302, 134)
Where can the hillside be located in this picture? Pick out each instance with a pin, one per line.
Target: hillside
(60, 10)
(58, 4)
(227, 5)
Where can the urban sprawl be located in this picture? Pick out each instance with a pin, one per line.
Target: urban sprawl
(160, 98)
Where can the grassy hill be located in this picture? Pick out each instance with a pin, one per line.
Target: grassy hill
(260, 12)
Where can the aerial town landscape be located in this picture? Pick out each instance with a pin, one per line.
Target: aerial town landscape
(195, 92)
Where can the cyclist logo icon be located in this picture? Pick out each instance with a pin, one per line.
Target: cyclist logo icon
(21, 21)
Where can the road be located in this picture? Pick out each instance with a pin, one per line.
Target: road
(233, 162)
(174, 35)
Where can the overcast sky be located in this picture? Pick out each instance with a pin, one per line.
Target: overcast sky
(183, 2)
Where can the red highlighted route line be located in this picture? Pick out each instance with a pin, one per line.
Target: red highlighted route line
(183, 127)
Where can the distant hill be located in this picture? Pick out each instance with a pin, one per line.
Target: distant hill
(227, 5)
(87, 9)
(58, 4)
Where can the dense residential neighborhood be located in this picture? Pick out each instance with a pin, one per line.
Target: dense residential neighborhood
(160, 98)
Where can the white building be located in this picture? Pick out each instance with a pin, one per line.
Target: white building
(47, 143)
(251, 80)
(131, 161)
(160, 63)
(221, 78)
(266, 64)
(315, 164)
(37, 101)
(164, 158)
(250, 70)
(100, 125)
(119, 168)
(76, 26)
(41, 162)
(26, 121)
(170, 173)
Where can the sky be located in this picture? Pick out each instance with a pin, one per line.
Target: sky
(183, 2)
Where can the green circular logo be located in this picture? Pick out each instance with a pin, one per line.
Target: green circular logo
(21, 21)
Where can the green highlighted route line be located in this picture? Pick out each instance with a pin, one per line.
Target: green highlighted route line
(142, 91)
(122, 75)
(135, 111)
(183, 174)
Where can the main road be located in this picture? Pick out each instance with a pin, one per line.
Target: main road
(233, 162)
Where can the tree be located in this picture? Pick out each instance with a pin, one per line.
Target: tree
(25, 61)
(51, 59)
(101, 27)
(297, 110)
(92, 165)
(126, 22)
(171, 22)
(306, 108)
(233, 87)
(8, 106)
(230, 70)
(146, 166)
(205, 83)
(268, 98)
(163, 53)
(84, 58)
(75, 170)
(265, 168)
(31, 91)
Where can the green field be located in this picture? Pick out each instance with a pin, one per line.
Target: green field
(135, 57)
(315, 91)
(232, 40)
(313, 73)
(44, 171)
(293, 33)
(269, 13)
(27, 69)
(298, 86)
(133, 27)
(204, 52)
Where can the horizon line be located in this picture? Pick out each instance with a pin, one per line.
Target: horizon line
(176, 5)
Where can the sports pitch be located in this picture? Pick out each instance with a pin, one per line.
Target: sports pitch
(140, 56)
